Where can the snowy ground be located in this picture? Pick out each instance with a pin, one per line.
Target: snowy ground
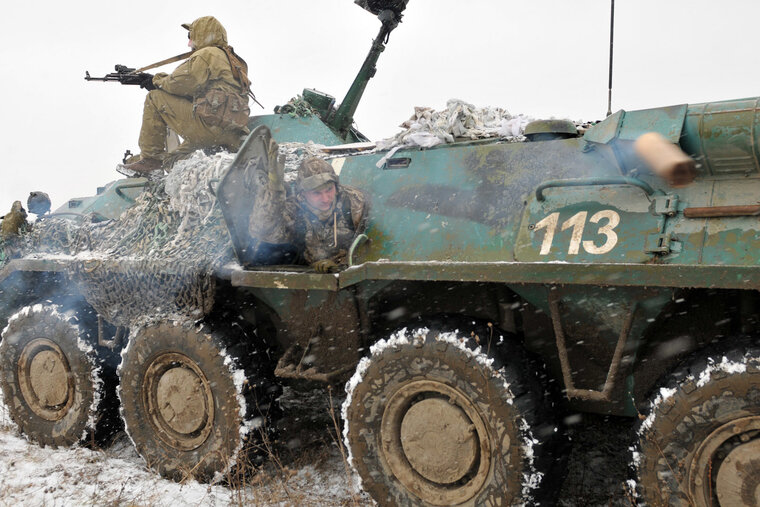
(30, 475)
(312, 474)
(34, 476)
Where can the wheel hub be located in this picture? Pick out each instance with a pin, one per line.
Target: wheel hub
(738, 481)
(726, 465)
(434, 441)
(439, 440)
(179, 400)
(45, 379)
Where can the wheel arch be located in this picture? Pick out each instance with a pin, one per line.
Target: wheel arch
(696, 323)
(410, 303)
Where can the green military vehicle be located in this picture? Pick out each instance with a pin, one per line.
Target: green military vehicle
(499, 286)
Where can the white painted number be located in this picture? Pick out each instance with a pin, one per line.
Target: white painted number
(550, 223)
(613, 219)
(578, 222)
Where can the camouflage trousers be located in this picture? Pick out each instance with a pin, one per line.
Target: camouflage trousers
(163, 110)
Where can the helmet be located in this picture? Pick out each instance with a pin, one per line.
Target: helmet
(313, 173)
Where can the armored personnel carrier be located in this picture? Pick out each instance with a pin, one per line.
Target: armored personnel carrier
(499, 286)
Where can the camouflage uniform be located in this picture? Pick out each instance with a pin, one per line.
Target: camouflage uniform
(14, 222)
(177, 97)
(318, 235)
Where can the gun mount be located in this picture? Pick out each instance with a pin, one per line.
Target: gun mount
(390, 17)
(335, 124)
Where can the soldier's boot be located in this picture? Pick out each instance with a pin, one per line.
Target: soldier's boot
(145, 167)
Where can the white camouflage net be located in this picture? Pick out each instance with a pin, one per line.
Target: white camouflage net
(158, 257)
(460, 120)
(295, 153)
(189, 190)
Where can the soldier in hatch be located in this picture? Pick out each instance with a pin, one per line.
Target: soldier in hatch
(321, 218)
(205, 99)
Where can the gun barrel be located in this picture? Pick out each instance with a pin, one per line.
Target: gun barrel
(124, 75)
(88, 77)
(107, 77)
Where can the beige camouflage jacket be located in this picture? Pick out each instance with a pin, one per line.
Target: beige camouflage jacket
(208, 67)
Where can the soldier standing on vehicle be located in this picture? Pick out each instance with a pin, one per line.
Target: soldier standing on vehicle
(321, 219)
(205, 99)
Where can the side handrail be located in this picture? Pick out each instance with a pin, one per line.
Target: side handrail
(592, 182)
(359, 239)
(118, 190)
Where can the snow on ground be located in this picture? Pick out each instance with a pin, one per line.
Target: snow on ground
(35, 476)
(304, 474)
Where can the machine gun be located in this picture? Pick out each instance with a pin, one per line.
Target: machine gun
(389, 13)
(130, 76)
(124, 75)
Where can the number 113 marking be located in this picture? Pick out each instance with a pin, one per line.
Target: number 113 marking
(578, 222)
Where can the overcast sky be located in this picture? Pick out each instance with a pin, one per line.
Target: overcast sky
(543, 58)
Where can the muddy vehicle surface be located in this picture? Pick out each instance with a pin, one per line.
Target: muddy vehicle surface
(501, 285)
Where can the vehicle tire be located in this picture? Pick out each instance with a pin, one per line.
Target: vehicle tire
(699, 441)
(431, 418)
(52, 381)
(190, 400)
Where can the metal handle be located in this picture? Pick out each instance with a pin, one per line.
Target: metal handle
(592, 182)
(748, 210)
(118, 190)
(211, 188)
(359, 239)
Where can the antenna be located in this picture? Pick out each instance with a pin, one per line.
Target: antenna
(612, 33)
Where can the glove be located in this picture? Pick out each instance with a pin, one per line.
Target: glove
(146, 81)
(324, 266)
(276, 167)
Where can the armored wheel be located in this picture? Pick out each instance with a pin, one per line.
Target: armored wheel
(189, 401)
(700, 441)
(51, 380)
(432, 418)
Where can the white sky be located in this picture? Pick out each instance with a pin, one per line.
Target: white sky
(543, 58)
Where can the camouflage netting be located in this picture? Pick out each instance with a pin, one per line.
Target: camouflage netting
(296, 107)
(460, 120)
(295, 153)
(159, 257)
(427, 128)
